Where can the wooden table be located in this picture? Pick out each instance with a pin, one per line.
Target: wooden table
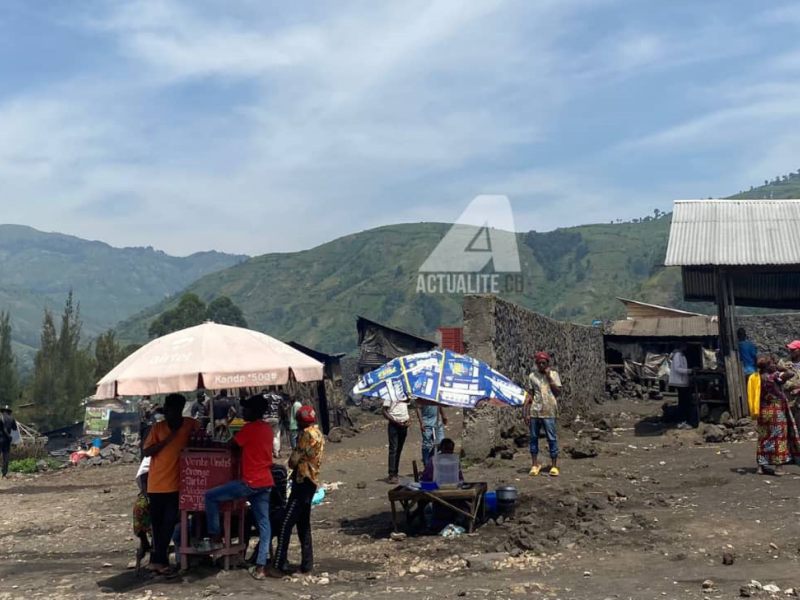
(409, 499)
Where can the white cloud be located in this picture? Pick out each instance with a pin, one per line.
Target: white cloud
(256, 127)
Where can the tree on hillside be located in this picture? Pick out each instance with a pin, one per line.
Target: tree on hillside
(63, 372)
(127, 351)
(107, 354)
(223, 311)
(45, 366)
(9, 379)
(191, 311)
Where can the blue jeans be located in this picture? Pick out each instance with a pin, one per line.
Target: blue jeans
(293, 435)
(428, 444)
(259, 504)
(439, 432)
(550, 430)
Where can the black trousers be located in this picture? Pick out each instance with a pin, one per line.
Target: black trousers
(397, 439)
(298, 514)
(687, 407)
(5, 450)
(164, 514)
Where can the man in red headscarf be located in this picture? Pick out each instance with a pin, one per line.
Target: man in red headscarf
(541, 410)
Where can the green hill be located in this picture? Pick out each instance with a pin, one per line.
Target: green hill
(573, 273)
(314, 296)
(38, 269)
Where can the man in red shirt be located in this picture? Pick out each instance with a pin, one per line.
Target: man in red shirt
(255, 442)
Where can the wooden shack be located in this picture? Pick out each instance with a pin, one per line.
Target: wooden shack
(330, 396)
(737, 253)
(378, 344)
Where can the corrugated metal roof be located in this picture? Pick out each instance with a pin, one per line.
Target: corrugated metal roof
(734, 232)
(700, 326)
(657, 310)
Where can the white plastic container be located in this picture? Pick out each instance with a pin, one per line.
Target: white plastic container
(445, 469)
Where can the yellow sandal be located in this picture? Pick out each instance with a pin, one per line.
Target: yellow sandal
(554, 472)
(535, 470)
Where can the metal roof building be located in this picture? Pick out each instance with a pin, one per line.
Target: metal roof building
(666, 327)
(738, 235)
(635, 309)
(737, 252)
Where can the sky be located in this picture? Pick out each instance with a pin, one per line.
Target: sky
(253, 126)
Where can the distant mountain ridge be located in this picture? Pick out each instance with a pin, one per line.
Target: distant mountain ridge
(574, 273)
(38, 269)
(313, 296)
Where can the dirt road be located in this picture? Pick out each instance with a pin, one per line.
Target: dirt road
(650, 517)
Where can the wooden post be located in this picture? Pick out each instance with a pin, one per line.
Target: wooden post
(726, 307)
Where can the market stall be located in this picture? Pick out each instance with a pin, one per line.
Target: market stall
(209, 356)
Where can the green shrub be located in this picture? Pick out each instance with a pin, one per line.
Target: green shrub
(27, 466)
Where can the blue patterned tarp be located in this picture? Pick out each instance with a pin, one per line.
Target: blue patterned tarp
(441, 376)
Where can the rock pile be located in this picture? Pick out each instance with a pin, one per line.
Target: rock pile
(619, 387)
(113, 453)
(728, 430)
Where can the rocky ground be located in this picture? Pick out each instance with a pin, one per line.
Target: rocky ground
(657, 513)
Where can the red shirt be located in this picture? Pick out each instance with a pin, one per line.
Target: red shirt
(255, 440)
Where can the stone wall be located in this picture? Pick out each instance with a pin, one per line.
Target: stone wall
(771, 333)
(507, 336)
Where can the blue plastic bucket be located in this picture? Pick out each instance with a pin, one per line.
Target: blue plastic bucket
(491, 501)
(428, 486)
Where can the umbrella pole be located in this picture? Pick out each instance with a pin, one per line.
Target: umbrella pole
(211, 420)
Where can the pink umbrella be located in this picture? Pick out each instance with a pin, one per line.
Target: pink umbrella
(208, 356)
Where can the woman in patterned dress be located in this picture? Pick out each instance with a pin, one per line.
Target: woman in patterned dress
(778, 440)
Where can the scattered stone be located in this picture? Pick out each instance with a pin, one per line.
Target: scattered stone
(487, 562)
(772, 588)
(335, 436)
(713, 434)
(557, 532)
(728, 558)
(211, 590)
(361, 485)
(398, 537)
(708, 584)
(583, 448)
(773, 545)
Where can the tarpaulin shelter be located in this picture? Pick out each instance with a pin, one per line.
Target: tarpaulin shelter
(378, 344)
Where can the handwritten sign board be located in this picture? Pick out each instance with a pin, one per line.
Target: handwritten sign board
(202, 470)
(96, 420)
